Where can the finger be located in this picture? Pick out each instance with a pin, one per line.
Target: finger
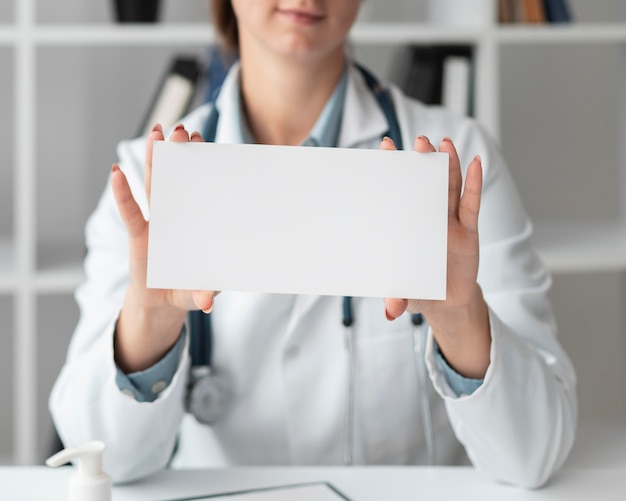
(156, 134)
(395, 307)
(423, 145)
(196, 137)
(179, 134)
(455, 180)
(126, 204)
(387, 144)
(470, 201)
(203, 300)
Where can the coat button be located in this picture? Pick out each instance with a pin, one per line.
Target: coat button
(158, 387)
(129, 393)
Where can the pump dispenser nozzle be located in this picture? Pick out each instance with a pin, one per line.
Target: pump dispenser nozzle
(89, 483)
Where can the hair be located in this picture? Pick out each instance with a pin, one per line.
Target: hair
(225, 23)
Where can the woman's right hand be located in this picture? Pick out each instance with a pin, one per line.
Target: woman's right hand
(151, 319)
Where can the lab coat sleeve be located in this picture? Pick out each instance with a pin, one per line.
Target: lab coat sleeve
(519, 425)
(86, 403)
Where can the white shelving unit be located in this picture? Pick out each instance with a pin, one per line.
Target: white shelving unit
(37, 269)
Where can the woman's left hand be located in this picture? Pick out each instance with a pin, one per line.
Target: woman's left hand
(460, 323)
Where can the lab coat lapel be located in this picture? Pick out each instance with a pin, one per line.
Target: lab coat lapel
(363, 122)
(302, 305)
(229, 126)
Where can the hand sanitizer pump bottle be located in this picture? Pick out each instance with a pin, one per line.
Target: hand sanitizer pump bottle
(89, 483)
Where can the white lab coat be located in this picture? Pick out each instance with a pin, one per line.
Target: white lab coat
(285, 360)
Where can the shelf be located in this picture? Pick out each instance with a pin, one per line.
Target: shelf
(58, 273)
(60, 279)
(7, 264)
(168, 34)
(60, 270)
(403, 33)
(8, 35)
(583, 33)
(118, 35)
(582, 247)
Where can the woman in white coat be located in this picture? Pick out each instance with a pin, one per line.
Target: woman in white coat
(499, 389)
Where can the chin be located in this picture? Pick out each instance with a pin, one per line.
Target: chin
(305, 48)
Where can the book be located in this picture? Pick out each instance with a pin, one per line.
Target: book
(557, 11)
(174, 94)
(506, 11)
(532, 11)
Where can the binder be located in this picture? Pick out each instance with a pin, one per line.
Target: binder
(440, 75)
(174, 95)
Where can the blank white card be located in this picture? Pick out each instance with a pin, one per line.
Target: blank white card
(298, 220)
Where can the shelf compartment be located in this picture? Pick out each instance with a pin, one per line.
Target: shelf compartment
(102, 12)
(565, 169)
(71, 179)
(7, 264)
(57, 318)
(7, 327)
(7, 14)
(7, 177)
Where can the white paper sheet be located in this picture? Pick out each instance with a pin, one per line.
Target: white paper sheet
(299, 220)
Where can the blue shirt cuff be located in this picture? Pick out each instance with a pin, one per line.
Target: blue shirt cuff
(460, 385)
(146, 385)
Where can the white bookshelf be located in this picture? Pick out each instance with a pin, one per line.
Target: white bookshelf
(33, 265)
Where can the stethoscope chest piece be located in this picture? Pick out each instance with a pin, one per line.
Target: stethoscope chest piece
(207, 396)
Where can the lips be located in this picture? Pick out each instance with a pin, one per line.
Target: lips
(303, 17)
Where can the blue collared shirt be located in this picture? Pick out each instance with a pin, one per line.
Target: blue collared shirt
(146, 385)
(325, 132)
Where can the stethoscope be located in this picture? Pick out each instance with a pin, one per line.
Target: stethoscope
(207, 392)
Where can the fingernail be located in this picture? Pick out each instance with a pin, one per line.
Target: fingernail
(387, 139)
(157, 128)
(388, 316)
(179, 127)
(424, 138)
(446, 139)
(195, 133)
(115, 167)
(477, 158)
(208, 310)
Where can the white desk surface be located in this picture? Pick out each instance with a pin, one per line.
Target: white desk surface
(358, 483)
